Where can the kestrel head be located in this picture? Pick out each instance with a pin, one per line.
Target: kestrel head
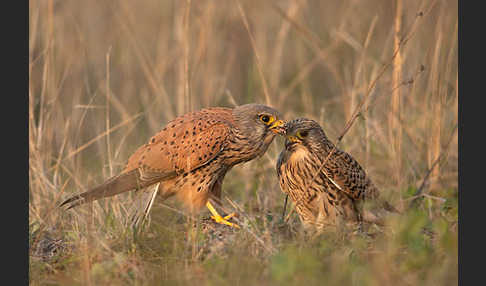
(259, 123)
(304, 132)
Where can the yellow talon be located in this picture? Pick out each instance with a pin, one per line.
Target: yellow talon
(229, 216)
(218, 218)
(221, 220)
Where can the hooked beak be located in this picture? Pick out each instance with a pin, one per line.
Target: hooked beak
(277, 127)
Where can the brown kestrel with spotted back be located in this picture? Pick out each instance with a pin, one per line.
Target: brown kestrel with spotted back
(191, 155)
(324, 192)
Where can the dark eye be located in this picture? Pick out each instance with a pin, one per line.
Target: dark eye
(265, 118)
(302, 134)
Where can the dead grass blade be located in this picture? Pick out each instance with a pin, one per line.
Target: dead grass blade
(266, 92)
(419, 193)
(112, 129)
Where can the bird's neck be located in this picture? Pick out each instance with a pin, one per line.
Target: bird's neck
(242, 148)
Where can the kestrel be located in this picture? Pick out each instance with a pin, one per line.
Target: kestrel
(328, 194)
(191, 155)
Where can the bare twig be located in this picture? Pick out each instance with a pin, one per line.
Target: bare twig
(315, 44)
(187, 94)
(258, 61)
(285, 206)
(87, 144)
(107, 110)
(419, 193)
(394, 128)
(310, 37)
(372, 85)
(267, 247)
(404, 82)
(427, 196)
(290, 213)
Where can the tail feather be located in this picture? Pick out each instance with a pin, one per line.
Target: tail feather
(142, 205)
(378, 213)
(124, 182)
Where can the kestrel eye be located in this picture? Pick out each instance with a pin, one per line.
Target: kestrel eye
(302, 134)
(265, 118)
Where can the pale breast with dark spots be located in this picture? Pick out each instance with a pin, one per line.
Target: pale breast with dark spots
(315, 199)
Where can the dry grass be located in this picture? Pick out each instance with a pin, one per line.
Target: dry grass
(105, 75)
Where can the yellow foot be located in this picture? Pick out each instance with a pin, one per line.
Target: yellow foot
(230, 216)
(219, 219)
(224, 220)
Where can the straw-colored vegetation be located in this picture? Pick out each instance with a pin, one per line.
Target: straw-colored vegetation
(106, 75)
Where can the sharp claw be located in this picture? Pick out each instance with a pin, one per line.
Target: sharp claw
(218, 218)
(229, 216)
(221, 220)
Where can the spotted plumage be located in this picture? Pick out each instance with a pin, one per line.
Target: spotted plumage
(326, 187)
(191, 155)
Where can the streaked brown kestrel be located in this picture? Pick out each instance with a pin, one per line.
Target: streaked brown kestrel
(191, 155)
(323, 194)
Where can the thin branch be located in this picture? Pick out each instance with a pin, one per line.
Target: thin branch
(313, 39)
(187, 94)
(258, 61)
(107, 110)
(371, 87)
(87, 144)
(267, 247)
(285, 206)
(419, 193)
